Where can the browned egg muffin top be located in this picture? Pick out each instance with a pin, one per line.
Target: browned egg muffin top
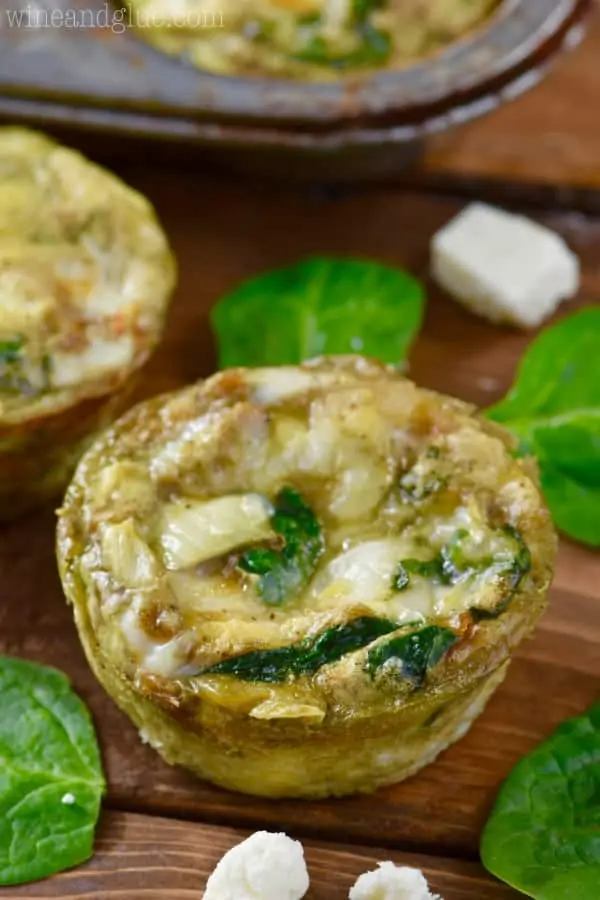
(268, 523)
(85, 275)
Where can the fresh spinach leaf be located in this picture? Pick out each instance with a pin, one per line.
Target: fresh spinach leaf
(306, 657)
(553, 409)
(555, 375)
(413, 654)
(543, 837)
(569, 458)
(51, 781)
(283, 573)
(319, 306)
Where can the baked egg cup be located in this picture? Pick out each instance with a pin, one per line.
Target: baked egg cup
(86, 274)
(304, 581)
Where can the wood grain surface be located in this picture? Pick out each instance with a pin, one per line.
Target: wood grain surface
(223, 232)
(151, 858)
(549, 135)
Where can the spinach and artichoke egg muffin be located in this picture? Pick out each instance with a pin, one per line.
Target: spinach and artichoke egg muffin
(85, 278)
(303, 581)
(312, 39)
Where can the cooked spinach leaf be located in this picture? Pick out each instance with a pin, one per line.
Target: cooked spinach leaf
(317, 50)
(363, 8)
(11, 377)
(451, 565)
(51, 781)
(10, 351)
(412, 491)
(432, 569)
(401, 578)
(520, 564)
(413, 655)
(375, 47)
(511, 572)
(306, 657)
(319, 306)
(372, 46)
(553, 408)
(283, 573)
(543, 837)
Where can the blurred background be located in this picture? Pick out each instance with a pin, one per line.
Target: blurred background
(510, 99)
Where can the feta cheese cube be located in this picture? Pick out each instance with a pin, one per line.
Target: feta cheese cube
(263, 867)
(504, 267)
(390, 882)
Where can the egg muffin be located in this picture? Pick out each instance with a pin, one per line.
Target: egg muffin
(318, 40)
(304, 581)
(85, 277)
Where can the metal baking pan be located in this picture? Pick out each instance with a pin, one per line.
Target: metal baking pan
(77, 65)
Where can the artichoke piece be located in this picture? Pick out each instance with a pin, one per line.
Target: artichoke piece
(193, 531)
(127, 557)
(274, 708)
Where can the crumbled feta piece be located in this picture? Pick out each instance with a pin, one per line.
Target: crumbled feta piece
(504, 267)
(263, 867)
(69, 799)
(390, 882)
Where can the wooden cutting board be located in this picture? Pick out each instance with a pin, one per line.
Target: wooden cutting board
(162, 831)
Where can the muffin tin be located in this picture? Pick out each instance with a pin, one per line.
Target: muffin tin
(108, 78)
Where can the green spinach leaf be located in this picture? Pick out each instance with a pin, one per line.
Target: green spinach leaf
(11, 377)
(543, 837)
(306, 657)
(452, 565)
(413, 654)
(10, 351)
(283, 573)
(363, 8)
(553, 409)
(374, 47)
(319, 306)
(51, 781)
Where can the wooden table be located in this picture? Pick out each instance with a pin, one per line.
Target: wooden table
(162, 832)
(545, 143)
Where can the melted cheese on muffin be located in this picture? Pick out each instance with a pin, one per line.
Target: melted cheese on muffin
(264, 507)
(304, 581)
(85, 276)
